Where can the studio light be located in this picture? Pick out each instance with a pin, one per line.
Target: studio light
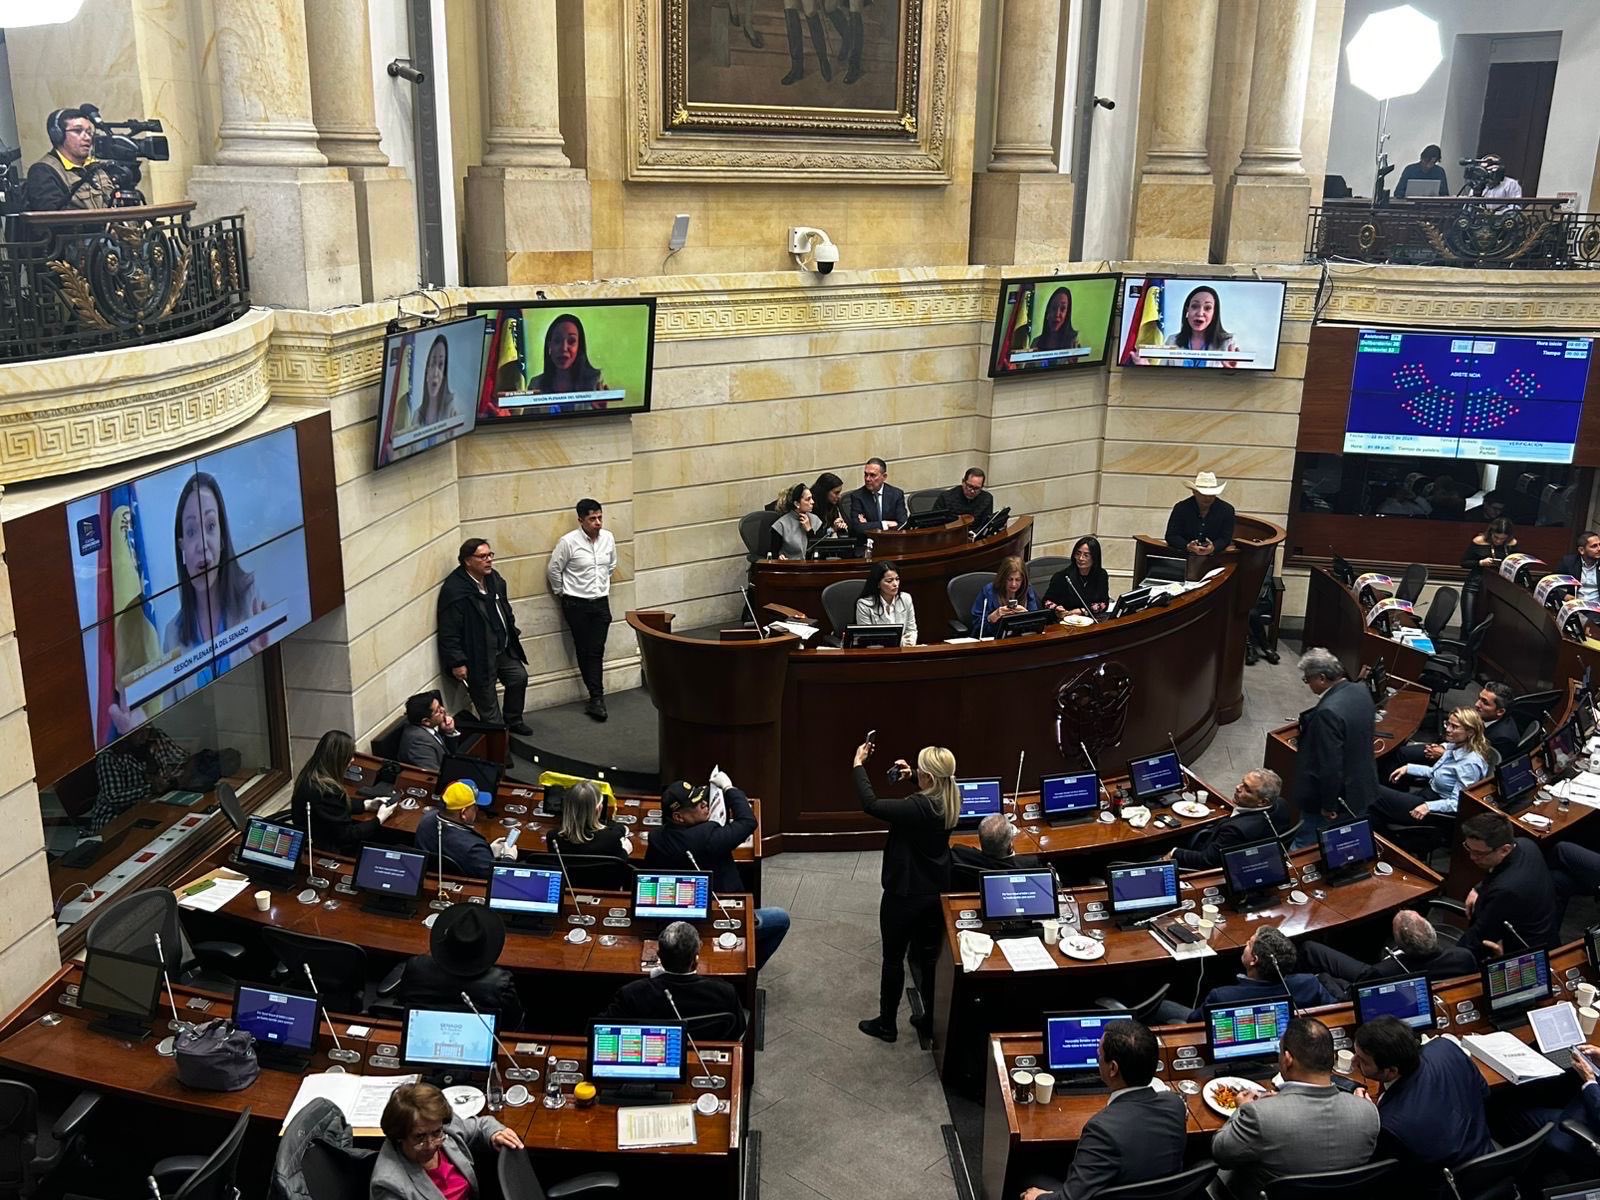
(16, 14)
(1392, 54)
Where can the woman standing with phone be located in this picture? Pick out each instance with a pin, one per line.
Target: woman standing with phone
(916, 870)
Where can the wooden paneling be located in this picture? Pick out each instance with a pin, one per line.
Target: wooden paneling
(1325, 395)
(1378, 543)
(320, 502)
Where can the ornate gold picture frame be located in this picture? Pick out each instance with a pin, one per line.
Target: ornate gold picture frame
(848, 91)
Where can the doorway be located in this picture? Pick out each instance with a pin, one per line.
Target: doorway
(1516, 112)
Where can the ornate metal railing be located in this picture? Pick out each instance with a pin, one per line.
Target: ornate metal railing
(73, 282)
(1535, 233)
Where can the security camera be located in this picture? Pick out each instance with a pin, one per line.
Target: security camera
(813, 250)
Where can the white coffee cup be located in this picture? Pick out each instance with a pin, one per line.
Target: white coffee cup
(1210, 912)
(1202, 796)
(1586, 994)
(264, 900)
(1044, 1087)
(1587, 1017)
(1206, 929)
(1052, 932)
(1344, 1062)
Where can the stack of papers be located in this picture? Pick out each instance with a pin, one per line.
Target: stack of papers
(1509, 1056)
(1028, 954)
(804, 632)
(655, 1125)
(1583, 788)
(212, 891)
(361, 1098)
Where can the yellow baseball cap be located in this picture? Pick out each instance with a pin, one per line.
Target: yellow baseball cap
(458, 795)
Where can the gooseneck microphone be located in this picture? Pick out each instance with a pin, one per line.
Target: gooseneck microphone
(1089, 758)
(578, 916)
(728, 916)
(338, 1054)
(1072, 570)
(440, 902)
(1512, 929)
(1278, 971)
(517, 1071)
(712, 1081)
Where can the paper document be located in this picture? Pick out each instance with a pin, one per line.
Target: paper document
(212, 890)
(804, 632)
(655, 1125)
(1027, 954)
(1508, 1055)
(360, 1098)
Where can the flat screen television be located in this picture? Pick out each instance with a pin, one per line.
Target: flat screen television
(1051, 323)
(551, 359)
(431, 380)
(186, 573)
(1467, 395)
(1198, 322)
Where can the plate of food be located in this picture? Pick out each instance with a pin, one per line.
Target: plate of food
(1082, 947)
(1223, 1094)
(1191, 808)
(1077, 619)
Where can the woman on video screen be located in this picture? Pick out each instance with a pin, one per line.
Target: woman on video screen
(438, 401)
(1202, 329)
(566, 361)
(1057, 333)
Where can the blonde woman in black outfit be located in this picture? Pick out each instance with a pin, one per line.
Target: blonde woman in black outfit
(916, 869)
(586, 825)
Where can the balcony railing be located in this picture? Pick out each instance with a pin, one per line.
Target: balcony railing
(78, 281)
(1535, 233)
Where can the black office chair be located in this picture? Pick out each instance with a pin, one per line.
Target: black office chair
(1181, 1186)
(923, 500)
(33, 1143)
(518, 1182)
(334, 1173)
(715, 1027)
(129, 926)
(597, 872)
(1286, 836)
(1041, 570)
(962, 591)
(1440, 609)
(1448, 918)
(318, 1148)
(1533, 707)
(201, 1177)
(755, 531)
(839, 602)
(1412, 582)
(340, 969)
(1453, 664)
(1578, 1130)
(1330, 1185)
(1492, 1176)
(966, 869)
(1144, 1010)
(1425, 838)
(1530, 737)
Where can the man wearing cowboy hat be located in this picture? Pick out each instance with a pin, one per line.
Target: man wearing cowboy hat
(449, 828)
(463, 947)
(1202, 525)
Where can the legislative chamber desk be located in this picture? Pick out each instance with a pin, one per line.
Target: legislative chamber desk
(970, 1005)
(563, 1142)
(785, 720)
(523, 803)
(1403, 713)
(927, 560)
(562, 982)
(1336, 621)
(1023, 1140)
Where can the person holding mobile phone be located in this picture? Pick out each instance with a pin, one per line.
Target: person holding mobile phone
(1008, 592)
(1201, 527)
(1563, 1150)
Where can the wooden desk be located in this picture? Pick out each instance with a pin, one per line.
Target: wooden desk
(969, 1005)
(927, 559)
(1403, 715)
(563, 1141)
(1020, 1140)
(1336, 621)
(786, 720)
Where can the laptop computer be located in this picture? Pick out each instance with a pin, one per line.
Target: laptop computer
(1416, 188)
(1556, 1032)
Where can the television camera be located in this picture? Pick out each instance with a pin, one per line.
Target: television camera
(1481, 173)
(118, 149)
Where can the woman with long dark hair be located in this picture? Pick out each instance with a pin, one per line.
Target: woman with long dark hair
(828, 489)
(319, 800)
(1484, 552)
(566, 360)
(1081, 588)
(438, 401)
(882, 602)
(1201, 329)
(1057, 332)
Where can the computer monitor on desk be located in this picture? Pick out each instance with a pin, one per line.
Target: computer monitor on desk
(1254, 873)
(123, 988)
(1072, 1045)
(1140, 890)
(1407, 999)
(389, 879)
(1155, 778)
(1561, 747)
(1513, 984)
(1515, 783)
(1017, 900)
(1065, 799)
(283, 1023)
(268, 853)
(450, 1044)
(834, 547)
(1028, 621)
(873, 635)
(1244, 1038)
(668, 896)
(980, 798)
(525, 896)
(1129, 603)
(630, 1060)
(933, 519)
(1348, 851)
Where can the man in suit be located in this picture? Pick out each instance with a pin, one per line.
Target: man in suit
(1575, 871)
(1137, 1136)
(968, 498)
(1269, 960)
(1307, 1125)
(694, 994)
(1258, 816)
(429, 733)
(996, 852)
(1516, 904)
(1335, 772)
(877, 504)
(1491, 703)
(1415, 949)
(1431, 1111)
(1583, 564)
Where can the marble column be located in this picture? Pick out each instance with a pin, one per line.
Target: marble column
(299, 212)
(1175, 193)
(340, 45)
(527, 208)
(1271, 193)
(1022, 204)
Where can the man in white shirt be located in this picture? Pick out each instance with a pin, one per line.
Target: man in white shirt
(580, 577)
(1501, 186)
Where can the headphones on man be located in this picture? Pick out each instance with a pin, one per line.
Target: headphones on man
(56, 124)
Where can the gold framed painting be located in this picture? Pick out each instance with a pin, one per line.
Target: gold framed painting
(840, 90)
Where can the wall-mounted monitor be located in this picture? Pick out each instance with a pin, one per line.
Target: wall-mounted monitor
(1051, 323)
(186, 573)
(431, 380)
(549, 359)
(1467, 395)
(1194, 322)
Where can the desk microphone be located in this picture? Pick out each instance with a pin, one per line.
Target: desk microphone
(983, 619)
(338, 1054)
(709, 1080)
(578, 917)
(729, 917)
(440, 902)
(1093, 766)
(1151, 920)
(312, 878)
(1391, 952)
(751, 609)
(179, 1025)
(1512, 929)
(517, 1071)
(1072, 569)
(1278, 971)
(1017, 791)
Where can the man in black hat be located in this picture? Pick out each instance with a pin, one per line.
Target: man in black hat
(690, 840)
(463, 948)
(694, 994)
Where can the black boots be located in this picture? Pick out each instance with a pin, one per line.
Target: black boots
(819, 40)
(857, 33)
(797, 47)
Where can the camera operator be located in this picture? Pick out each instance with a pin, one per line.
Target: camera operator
(1490, 180)
(69, 176)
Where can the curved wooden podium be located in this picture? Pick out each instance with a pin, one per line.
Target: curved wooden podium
(928, 559)
(784, 720)
(1253, 550)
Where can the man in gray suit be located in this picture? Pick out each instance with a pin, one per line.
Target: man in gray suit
(1308, 1125)
(1335, 772)
(1138, 1135)
(429, 733)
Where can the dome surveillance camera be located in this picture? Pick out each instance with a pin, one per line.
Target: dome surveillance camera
(812, 249)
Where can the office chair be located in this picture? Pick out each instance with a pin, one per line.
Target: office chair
(1454, 664)
(340, 968)
(334, 1173)
(317, 1151)
(34, 1143)
(715, 1027)
(1533, 707)
(1040, 571)
(1448, 931)
(1578, 1131)
(597, 872)
(1330, 1185)
(1440, 609)
(193, 1177)
(755, 529)
(518, 1182)
(923, 500)
(1144, 1010)
(1183, 1185)
(1412, 583)
(1286, 836)
(1425, 838)
(1529, 738)
(962, 591)
(839, 603)
(1492, 1176)
(129, 926)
